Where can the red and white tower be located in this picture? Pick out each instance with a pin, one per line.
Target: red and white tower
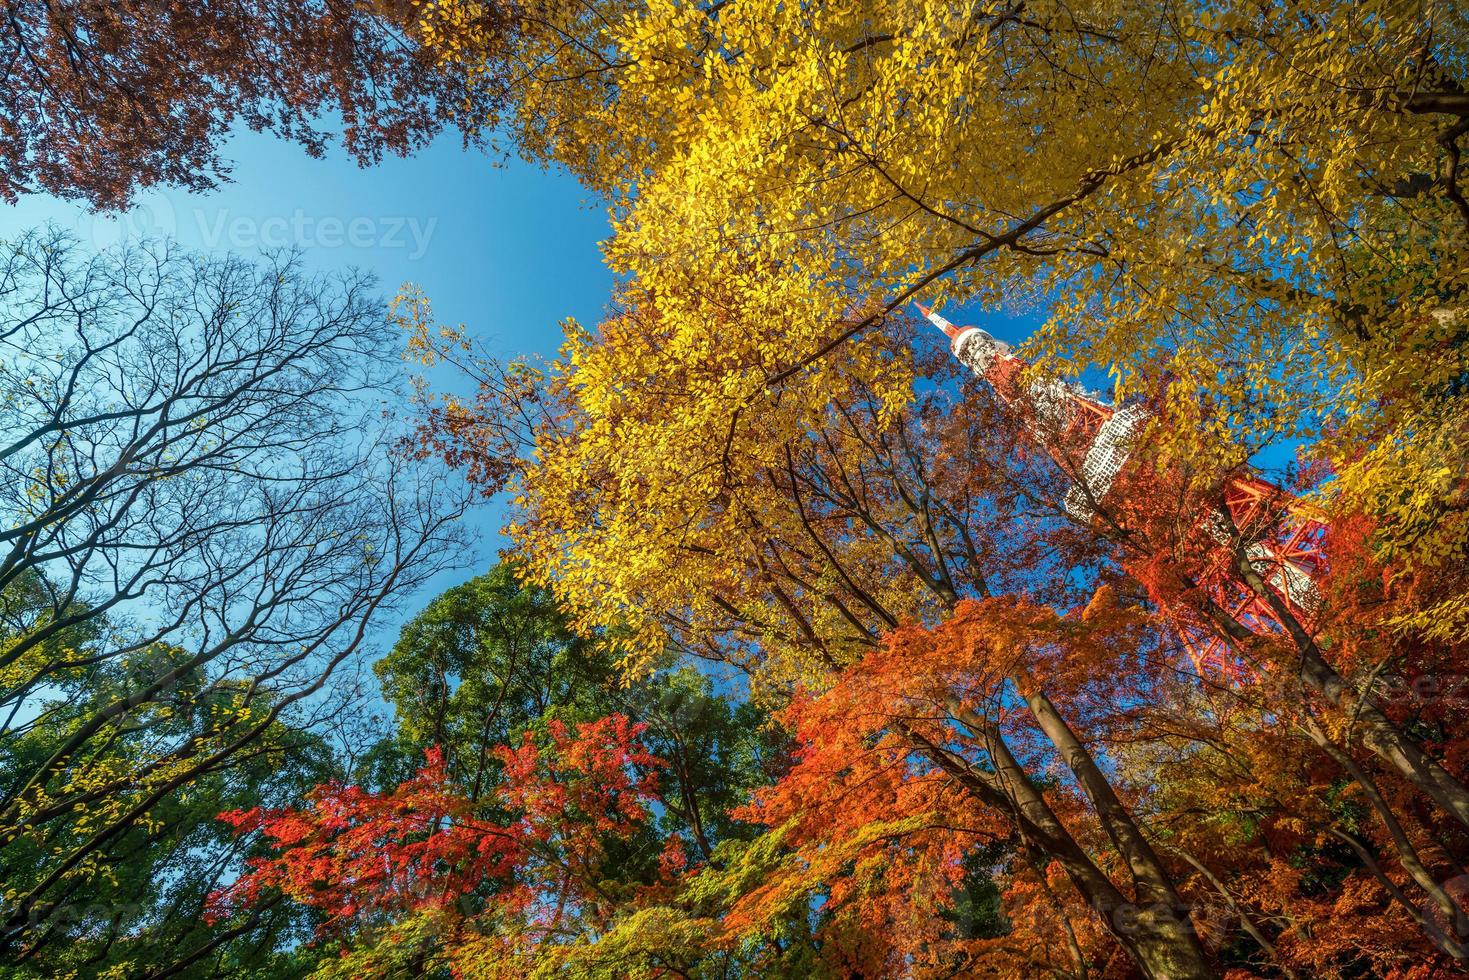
(1289, 555)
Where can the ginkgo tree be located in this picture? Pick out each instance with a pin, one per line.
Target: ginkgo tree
(1266, 203)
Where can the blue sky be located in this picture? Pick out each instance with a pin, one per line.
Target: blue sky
(508, 250)
(505, 248)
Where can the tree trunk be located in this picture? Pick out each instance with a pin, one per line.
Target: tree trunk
(1154, 885)
(1378, 733)
(1158, 937)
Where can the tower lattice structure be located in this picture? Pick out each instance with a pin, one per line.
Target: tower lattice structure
(1288, 536)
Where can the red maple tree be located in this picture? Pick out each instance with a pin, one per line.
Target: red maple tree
(364, 857)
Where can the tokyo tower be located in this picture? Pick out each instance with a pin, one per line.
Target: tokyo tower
(1287, 553)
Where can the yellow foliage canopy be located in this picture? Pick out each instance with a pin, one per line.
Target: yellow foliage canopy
(1262, 204)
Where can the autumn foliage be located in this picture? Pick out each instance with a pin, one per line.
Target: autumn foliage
(365, 858)
(105, 99)
(989, 698)
(801, 660)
